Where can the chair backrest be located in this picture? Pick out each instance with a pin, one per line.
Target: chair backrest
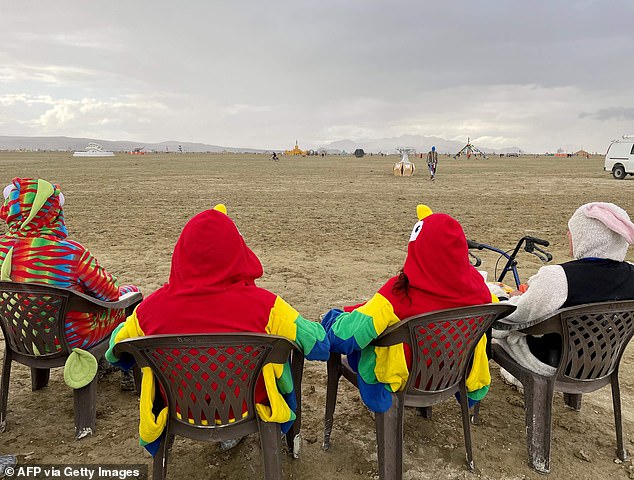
(442, 344)
(594, 339)
(32, 317)
(209, 379)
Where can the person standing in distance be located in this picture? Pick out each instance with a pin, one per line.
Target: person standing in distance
(432, 163)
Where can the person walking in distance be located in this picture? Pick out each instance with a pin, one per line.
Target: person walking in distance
(432, 163)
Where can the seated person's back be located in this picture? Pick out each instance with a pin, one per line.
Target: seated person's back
(36, 250)
(436, 275)
(599, 234)
(211, 289)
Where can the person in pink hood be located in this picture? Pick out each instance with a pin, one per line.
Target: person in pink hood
(599, 235)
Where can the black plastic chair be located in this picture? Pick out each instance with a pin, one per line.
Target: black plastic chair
(594, 337)
(32, 320)
(209, 381)
(442, 344)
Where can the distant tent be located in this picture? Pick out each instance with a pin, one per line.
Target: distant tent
(359, 153)
(469, 150)
(582, 153)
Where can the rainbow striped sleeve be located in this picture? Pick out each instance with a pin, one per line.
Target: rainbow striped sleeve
(285, 321)
(151, 425)
(128, 329)
(95, 279)
(353, 331)
(380, 370)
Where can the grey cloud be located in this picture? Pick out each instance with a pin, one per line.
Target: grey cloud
(612, 113)
(300, 68)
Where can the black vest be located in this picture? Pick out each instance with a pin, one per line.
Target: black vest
(599, 280)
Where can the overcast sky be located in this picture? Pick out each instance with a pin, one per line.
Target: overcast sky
(539, 75)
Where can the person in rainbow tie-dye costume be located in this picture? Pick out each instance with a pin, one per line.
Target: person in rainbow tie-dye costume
(36, 250)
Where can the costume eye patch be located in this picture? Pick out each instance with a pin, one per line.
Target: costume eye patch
(416, 230)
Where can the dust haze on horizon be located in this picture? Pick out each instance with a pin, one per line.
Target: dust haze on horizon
(539, 76)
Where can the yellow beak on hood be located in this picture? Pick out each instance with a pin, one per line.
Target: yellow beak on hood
(423, 211)
(221, 208)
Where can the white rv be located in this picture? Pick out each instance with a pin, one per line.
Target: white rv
(619, 159)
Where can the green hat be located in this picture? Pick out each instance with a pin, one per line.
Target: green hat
(80, 368)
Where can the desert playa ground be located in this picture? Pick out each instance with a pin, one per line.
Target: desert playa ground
(329, 231)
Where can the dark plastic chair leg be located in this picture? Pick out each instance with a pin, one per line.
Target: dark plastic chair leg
(538, 401)
(4, 388)
(159, 464)
(334, 372)
(137, 375)
(85, 404)
(293, 436)
(389, 440)
(424, 412)
(573, 400)
(39, 378)
(270, 443)
(621, 453)
(466, 426)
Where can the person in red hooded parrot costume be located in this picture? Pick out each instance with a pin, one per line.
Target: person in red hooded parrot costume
(211, 289)
(436, 275)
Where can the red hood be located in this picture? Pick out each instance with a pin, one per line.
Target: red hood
(440, 249)
(211, 286)
(212, 239)
(438, 269)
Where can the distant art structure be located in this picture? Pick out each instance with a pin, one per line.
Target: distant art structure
(469, 150)
(93, 150)
(296, 151)
(404, 167)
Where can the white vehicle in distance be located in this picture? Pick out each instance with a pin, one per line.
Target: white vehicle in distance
(619, 159)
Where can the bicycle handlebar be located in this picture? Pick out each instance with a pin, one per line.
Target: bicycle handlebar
(476, 259)
(530, 246)
(543, 255)
(471, 244)
(538, 241)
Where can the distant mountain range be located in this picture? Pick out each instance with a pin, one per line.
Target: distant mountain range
(385, 145)
(72, 144)
(419, 142)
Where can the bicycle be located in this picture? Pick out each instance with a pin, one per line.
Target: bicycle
(530, 246)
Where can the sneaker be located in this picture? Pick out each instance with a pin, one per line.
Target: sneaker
(127, 381)
(229, 444)
(7, 461)
(104, 368)
(512, 381)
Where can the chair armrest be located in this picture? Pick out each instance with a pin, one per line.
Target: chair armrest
(85, 303)
(545, 325)
(128, 347)
(397, 333)
(281, 352)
